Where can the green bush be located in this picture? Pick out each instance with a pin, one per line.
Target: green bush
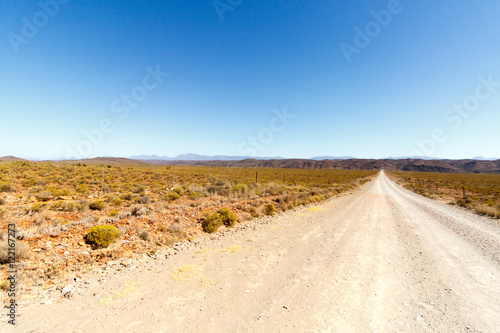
(37, 207)
(101, 236)
(211, 222)
(465, 202)
(269, 209)
(227, 216)
(97, 205)
(60, 192)
(82, 189)
(178, 190)
(64, 206)
(241, 188)
(116, 201)
(195, 195)
(172, 196)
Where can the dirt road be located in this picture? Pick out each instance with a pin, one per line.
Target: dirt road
(380, 260)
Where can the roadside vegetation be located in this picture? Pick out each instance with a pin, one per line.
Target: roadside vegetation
(70, 215)
(477, 192)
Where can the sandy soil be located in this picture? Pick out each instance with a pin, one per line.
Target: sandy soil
(380, 260)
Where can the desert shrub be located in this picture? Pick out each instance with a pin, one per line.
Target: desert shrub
(221, 190)
(127, 196)
(195, 195)
(50, 231)
(316, 198)
(6, 187)
(138, 189)
(162, 228)
(241, 188)
(116, 201)
(227, 216)
(60, 192)
(486, 210)
(44, 196)
(23, 234)
(5, 285)
(82, 189)
(112, 220)
(176, 229)
(212, 189)
(22, 251)
(282, 206)
(269, 210)
(123, 215)
(82, 205)
(143, 199)
(101, 236)
(114, 213)
(64, 206)
(39, 220)
(97, 205)
(56, 222)
(2, 201)
(37, 207)
(284, 199)
(211, 222)
(2, 211)
(29, 182)
(273, 189)
(138, 210)
(172, 196)
(178, 190)
(464, 202)
(249, 209)
(144, 235)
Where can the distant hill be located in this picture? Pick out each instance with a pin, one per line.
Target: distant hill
(11, 159)
(485, 159)
(321, 158)
(454, 166)
(106, 160)
(392, 164)
(196, 157)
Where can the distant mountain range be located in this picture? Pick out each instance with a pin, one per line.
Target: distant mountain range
(452, 166)
(196, 157)
(478, 165)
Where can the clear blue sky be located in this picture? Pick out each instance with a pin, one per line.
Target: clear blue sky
(231, 68)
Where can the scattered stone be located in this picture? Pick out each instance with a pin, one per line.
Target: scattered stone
(66, 292)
